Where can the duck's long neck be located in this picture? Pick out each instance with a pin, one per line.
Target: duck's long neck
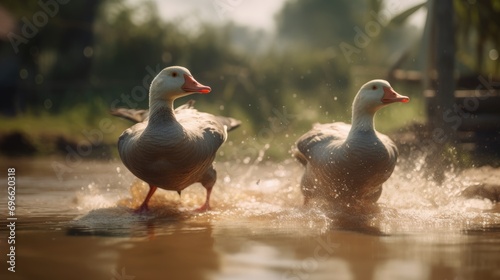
(362, 121)
(161, 110)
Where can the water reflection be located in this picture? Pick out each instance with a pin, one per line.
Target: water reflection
(258, 228)
(180, 252)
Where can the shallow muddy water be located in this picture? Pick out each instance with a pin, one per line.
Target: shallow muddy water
(80, 226)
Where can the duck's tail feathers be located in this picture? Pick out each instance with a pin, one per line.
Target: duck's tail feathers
(230, 123)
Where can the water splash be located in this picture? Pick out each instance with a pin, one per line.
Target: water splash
(92, 197)
(265, 194)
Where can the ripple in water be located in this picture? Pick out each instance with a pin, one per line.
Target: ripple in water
(262, 195)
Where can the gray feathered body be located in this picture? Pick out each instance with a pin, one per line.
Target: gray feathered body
(172, 151)
(342, 167)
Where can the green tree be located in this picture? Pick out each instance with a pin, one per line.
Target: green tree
(319, 23)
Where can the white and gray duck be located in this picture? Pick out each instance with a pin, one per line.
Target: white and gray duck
(347, 164)
(173, 149)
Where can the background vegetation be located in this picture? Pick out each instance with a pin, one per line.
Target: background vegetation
(63, 81)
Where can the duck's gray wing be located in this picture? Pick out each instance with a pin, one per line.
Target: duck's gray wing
(309, 145)
(138, 116)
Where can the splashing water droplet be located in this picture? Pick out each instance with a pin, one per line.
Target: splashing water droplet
(246, 160)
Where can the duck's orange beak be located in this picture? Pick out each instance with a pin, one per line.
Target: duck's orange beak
(191, 85)
(391, 96)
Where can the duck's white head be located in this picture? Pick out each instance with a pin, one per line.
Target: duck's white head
(174, 82)
(376, 94)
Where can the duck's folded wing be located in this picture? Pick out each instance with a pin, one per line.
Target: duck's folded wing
(133, 115)
(390, 145)
(320, 135)
(187, 105)
(209, 129)
(188, 109)
(138, 116)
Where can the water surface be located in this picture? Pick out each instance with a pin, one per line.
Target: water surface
(80, 226)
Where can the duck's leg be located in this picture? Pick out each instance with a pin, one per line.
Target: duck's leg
(206, 206)
(144, 206)
(208, 181)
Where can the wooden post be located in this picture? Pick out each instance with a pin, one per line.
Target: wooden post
(445, 60)
(442, 58)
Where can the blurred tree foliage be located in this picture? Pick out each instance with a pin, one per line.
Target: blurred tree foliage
(94, 52)
(478, 27)
(48, 45)
(319, 23)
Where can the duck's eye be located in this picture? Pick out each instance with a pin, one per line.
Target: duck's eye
(374, 87)
(174, 74)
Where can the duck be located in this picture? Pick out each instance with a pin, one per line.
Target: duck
(347, 164)
(173, 149)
